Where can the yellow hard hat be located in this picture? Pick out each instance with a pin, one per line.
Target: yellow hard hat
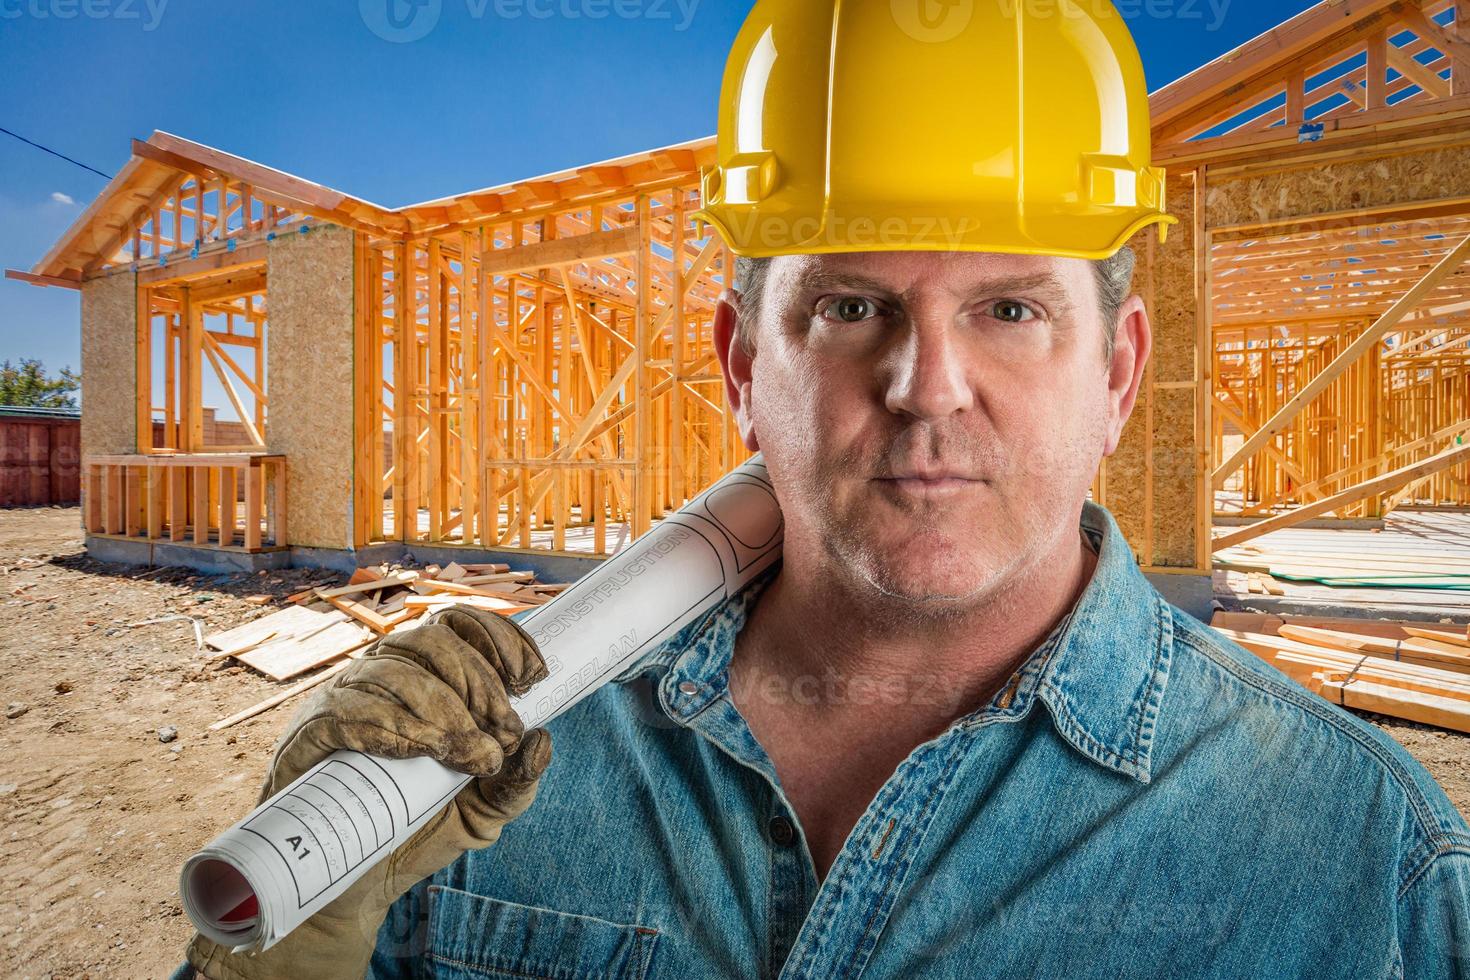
(940, 125)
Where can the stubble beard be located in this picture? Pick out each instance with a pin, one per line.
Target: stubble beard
(869, 571)
(883, 590)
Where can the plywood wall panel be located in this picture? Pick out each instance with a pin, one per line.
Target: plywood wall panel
(1175, 509)
(1171, 288)
(109, 365)
(1152, 487)
(310, 366)
(1420, 175)
(1126, 484)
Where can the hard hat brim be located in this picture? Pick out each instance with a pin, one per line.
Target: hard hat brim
(753, 244)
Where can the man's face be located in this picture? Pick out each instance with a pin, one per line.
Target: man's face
(933, 421)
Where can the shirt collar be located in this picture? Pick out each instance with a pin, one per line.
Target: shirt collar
(1101, 672)
(1104, 669)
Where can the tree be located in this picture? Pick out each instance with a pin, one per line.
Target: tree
(28, 385)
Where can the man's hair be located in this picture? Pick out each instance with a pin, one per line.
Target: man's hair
(1114, 281)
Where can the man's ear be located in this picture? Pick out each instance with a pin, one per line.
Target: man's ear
(736, 365)
(1131, 349)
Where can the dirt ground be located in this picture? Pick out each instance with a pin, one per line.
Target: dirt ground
(99, 814)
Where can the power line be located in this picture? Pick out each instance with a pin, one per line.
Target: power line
(48, 149)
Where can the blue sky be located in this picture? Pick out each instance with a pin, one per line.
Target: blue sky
(494, 91)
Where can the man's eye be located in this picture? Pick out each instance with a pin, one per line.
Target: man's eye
(1011, 311)
(851, 309)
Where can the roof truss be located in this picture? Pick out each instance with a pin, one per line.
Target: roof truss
(1341, 65)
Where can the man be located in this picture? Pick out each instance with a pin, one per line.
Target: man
(954, 732)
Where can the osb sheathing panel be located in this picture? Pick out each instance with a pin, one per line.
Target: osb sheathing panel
(1125, 483)
(1166, 280)
(1170, 287)
(309, 363)
(1175, 499)
(109, 364)
(1343, 185)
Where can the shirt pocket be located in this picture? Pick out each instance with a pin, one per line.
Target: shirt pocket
(473, 937)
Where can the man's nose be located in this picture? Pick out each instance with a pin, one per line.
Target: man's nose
(926, 375)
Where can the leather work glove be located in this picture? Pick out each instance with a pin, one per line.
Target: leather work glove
(440, 690)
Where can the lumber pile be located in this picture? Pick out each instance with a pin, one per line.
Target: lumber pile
(1412, 671)
(327, 627)
(1446, 571)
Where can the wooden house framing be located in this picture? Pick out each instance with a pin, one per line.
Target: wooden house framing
(1328, 165)
(529, 367)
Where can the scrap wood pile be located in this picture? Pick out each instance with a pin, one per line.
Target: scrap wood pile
(1415, 671)
(328, 627)
(1445, 571)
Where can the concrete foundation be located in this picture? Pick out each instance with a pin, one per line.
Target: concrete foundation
(1193, 594)
(1324, 524)
(212, 561)
(1190, 593)
(230, 561)
(1451, 612)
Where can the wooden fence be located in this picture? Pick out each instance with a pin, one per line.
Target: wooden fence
(40, 456)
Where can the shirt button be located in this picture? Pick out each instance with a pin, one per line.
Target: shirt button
(688, 687)
(782, 830)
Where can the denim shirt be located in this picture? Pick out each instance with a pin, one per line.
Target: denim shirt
(1145, 799)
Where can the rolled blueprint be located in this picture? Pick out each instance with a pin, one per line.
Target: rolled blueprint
(306, 845)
